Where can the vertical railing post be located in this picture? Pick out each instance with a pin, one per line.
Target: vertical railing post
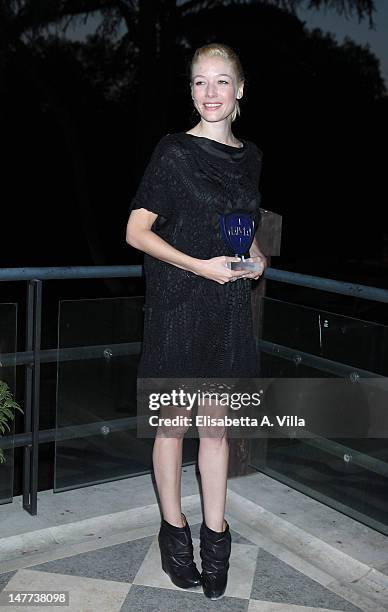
(32, 396)
(28, 397)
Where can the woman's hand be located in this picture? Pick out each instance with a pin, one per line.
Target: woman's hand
(215, 269)
(255, 274)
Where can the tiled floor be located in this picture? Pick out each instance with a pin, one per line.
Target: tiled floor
(127, 577)
(290, 553)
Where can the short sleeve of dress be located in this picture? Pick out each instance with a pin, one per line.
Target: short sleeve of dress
(154, 192)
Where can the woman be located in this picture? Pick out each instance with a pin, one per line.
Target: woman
(198, 320)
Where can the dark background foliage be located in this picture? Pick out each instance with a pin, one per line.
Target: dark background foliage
(80, 120)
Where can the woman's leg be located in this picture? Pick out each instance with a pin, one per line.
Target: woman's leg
(175, 543)
(213, 459)
(167, 461)
(215, 537)
(213, 464)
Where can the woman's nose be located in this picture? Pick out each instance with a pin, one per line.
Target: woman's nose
(211, 90)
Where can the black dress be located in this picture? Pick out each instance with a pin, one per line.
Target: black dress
(193, 326)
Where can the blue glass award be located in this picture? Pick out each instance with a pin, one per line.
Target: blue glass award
(238, 232)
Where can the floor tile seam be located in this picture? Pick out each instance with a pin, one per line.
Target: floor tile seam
(64, 550)
(362, 601)
(308, 503)
(116, 522)
(326, 569)
(324, 579)
(37, 519)
(374, 601)
(306, 537)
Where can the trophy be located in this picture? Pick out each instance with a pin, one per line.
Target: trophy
(238, 232)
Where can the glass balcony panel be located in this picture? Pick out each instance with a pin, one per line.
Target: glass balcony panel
(96, 429)
(350, 475)
(8, 329)
(355, 342)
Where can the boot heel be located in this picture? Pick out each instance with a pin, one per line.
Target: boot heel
(176, 551)
(165, 566)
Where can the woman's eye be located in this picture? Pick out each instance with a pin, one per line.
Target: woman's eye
(220, 81)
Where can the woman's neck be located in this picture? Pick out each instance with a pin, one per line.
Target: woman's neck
(220, 133)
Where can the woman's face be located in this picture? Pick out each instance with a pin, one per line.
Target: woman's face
(214, 88)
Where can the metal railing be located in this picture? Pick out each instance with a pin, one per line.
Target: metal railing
(33, 356)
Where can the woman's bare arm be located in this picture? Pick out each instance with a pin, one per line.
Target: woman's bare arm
(140, 235)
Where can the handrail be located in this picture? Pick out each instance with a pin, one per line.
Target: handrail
(284, 276)
(67, 272)
(328, 284)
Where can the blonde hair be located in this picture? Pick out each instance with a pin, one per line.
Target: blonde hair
(227, 53)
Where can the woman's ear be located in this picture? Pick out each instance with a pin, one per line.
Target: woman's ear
(240, 91)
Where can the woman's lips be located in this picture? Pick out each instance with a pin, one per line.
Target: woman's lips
(212, 105)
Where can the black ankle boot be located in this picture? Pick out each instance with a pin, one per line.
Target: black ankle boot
(176, 549)
(215, 550)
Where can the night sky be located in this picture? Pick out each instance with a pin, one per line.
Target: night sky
(328, 20)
